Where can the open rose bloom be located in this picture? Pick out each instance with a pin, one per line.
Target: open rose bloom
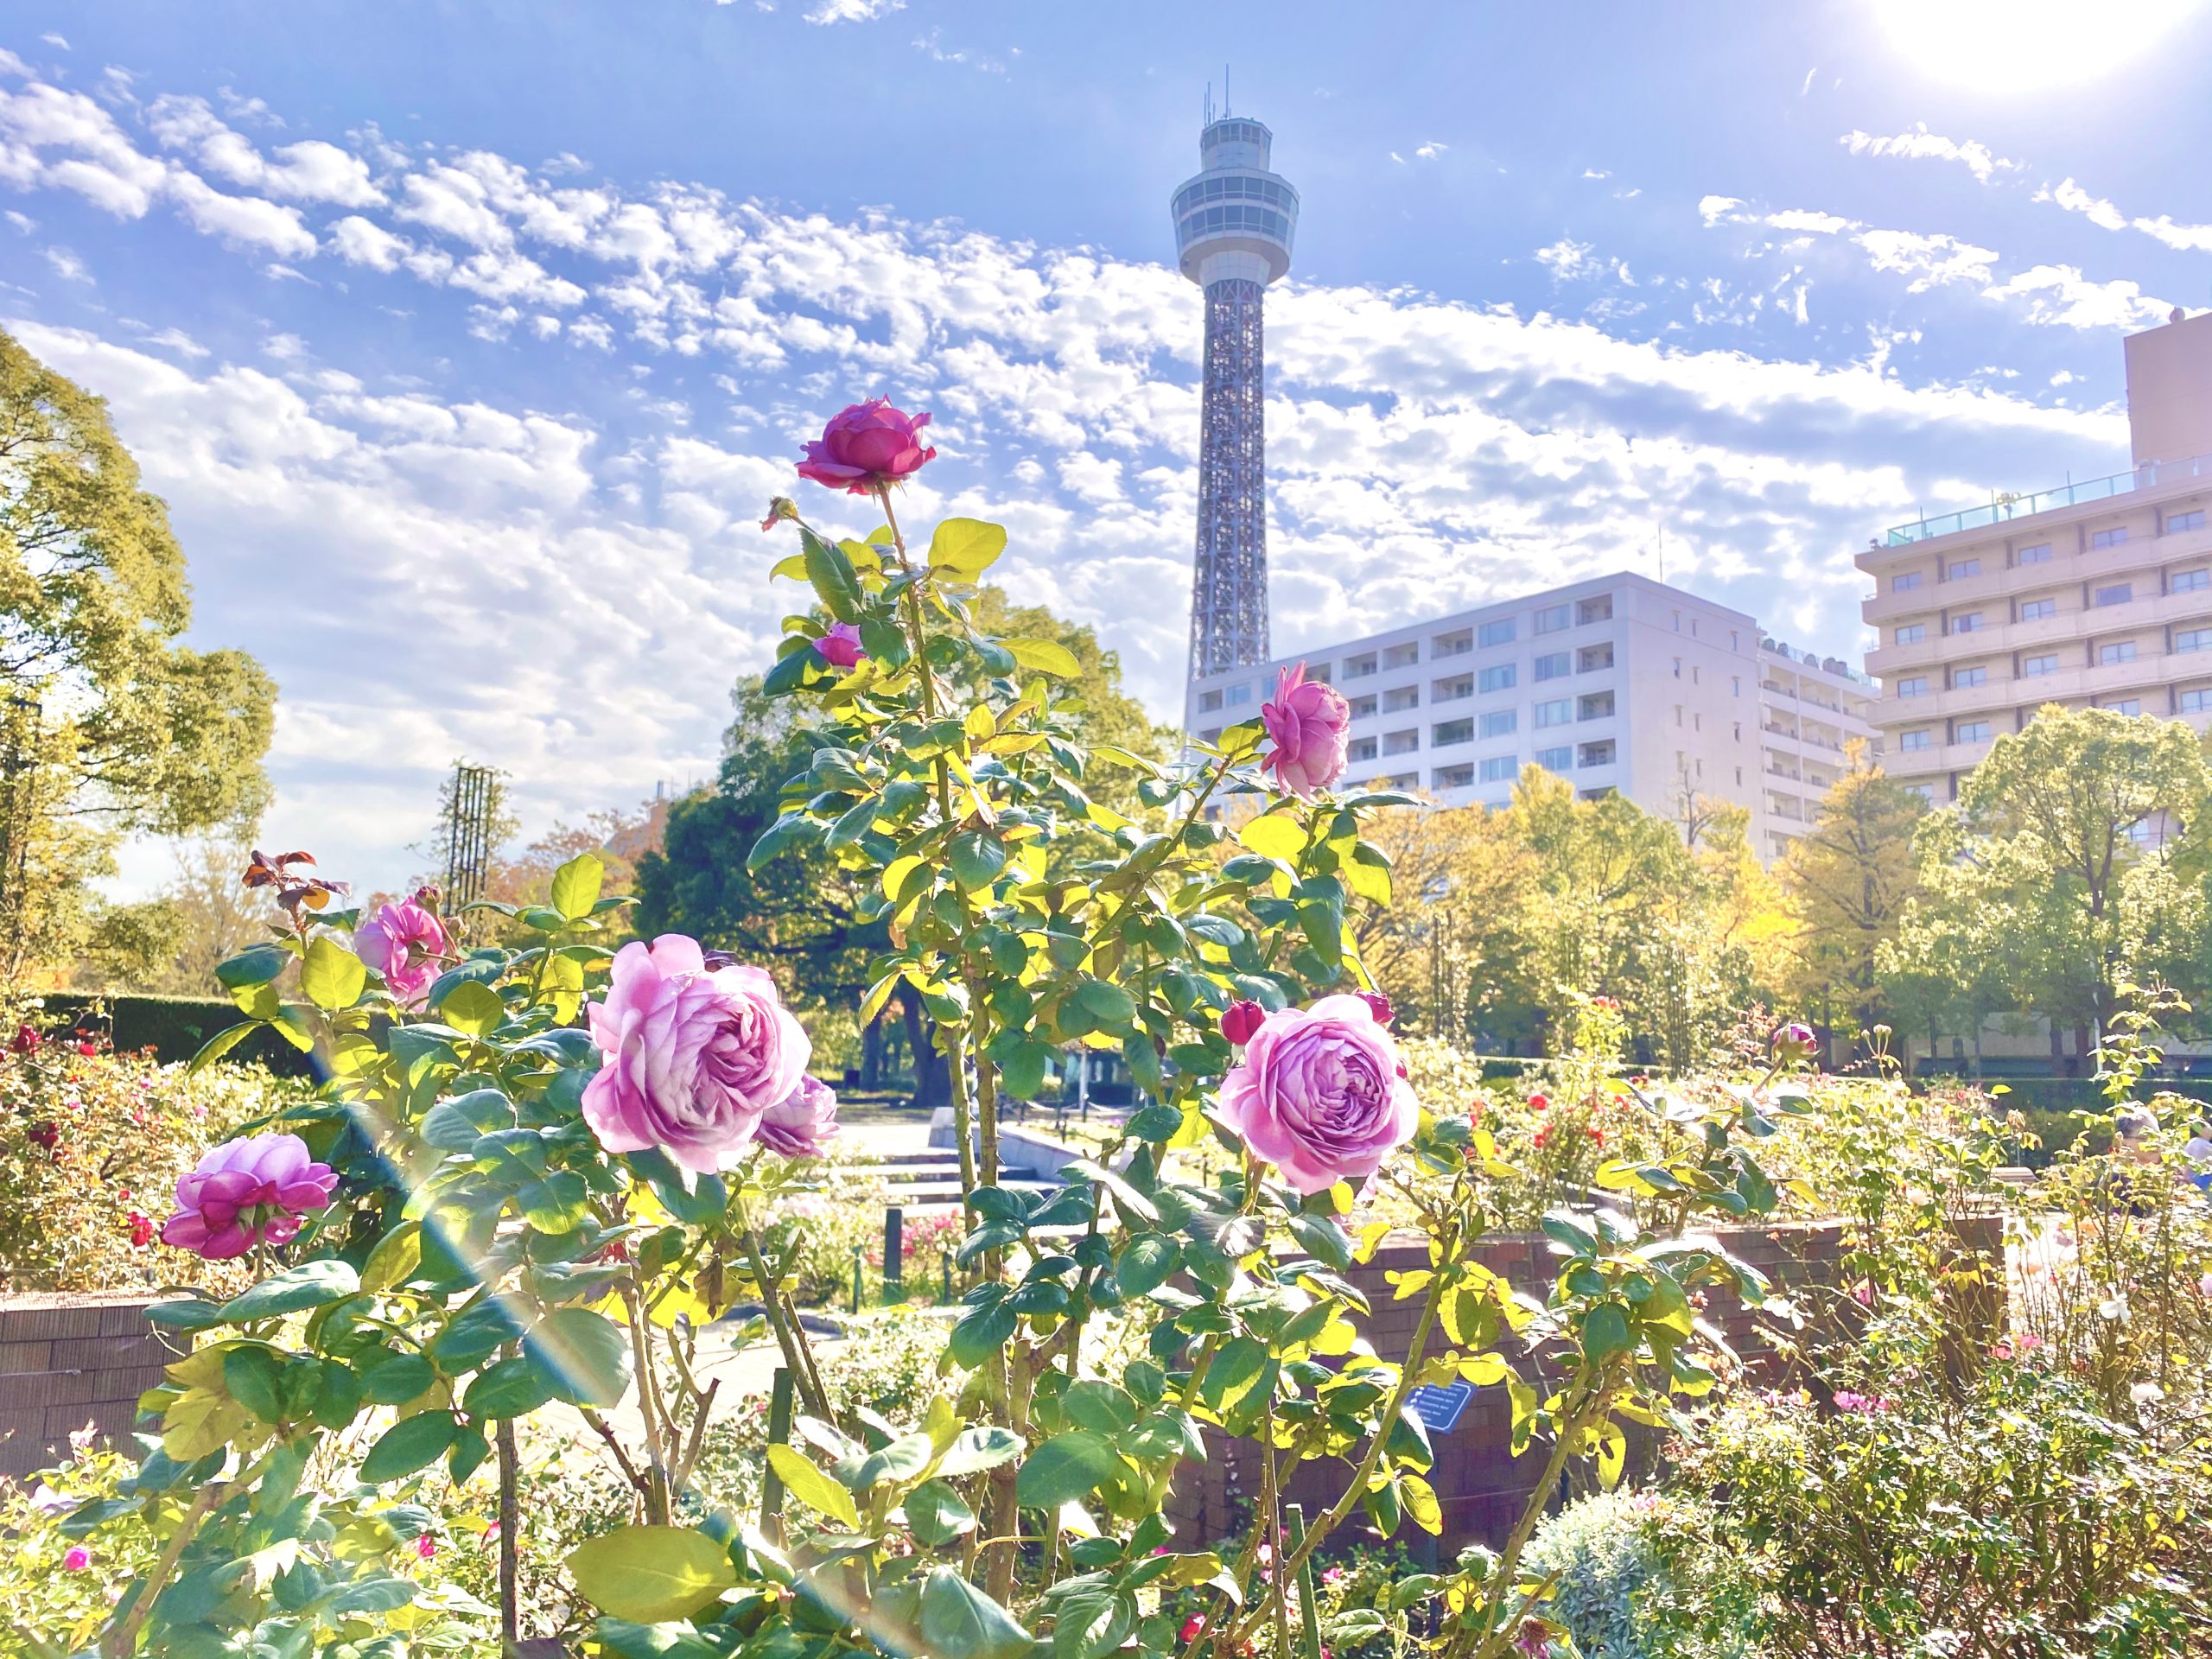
(867, 447)
(1308, 727)
(404, 943)
(695, 1056)
(803, 1123)
(247, 1192)
(1319, 1094)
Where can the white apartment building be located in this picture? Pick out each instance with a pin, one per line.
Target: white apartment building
(2097, 594)
(1617, 683)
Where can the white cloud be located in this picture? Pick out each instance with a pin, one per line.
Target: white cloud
(2075, 200)
(178, 341)
(310, 170)
(242, 220)
(1929, 260)
(1800, 219)
(67, 266)
(1713, 209)
(359, 241)
(2060, 297)
(1920, 144)
(55, 41)
(1431, 150)
(852, 11)
(1565, 260)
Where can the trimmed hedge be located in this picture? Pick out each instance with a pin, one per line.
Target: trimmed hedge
(173, 1027)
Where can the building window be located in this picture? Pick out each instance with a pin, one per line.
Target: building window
(1913, 685)
(1910, 634)
(1500, 678)
(1972, 731)
(1551, 618)
(1555, 759)
(2118, 593)
(1904, 581)
(1962, 677)
(1239, 696)
(1445, 732)
(1597, 754)
(1500, 769)
(1360, 748)
(1596, 705)
(1926, 792)
(1457, 777)
(1404, 656)
(1600, 609)
(1401, 742)
(1735, 685)
(1359, 667)
(1317, 672)
(2193, 639)
(1593, 658)
(2197, 701)
(1910, 741)
(1970, 623)
(1450, 690)
(2045, 664)
(2193, 519)
(1554, 665)
(2191, 581)
(2039, 554)
(2111, 538)
(2034, 610)
(1503, 723)
(2120, 650)
(1209, 701)
(1362, 707)
(1497, 634)
(1452, 645)
(1399, 697)
(1554, 714)
(1961, 569)
(2125, 705)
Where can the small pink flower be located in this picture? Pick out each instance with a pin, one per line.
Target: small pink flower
(1863, 1293)
(425, 1548)
(404, 943)
(866, 446)
(78, 1559)
(1308, 724)
(1192, 1626)
(841, 647)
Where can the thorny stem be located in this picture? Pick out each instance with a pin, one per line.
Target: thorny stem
(124, 1637)
(797, 1359)
(510, 1520)
(1271, 1503)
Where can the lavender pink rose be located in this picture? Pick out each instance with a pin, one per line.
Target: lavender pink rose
(801, 1124)
(694, 1055)
(247, 1192)
(1308, 723)
(867, 447)
(1320, 1093)
(841, 647)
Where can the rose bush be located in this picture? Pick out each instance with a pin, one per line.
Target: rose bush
(527, 1213)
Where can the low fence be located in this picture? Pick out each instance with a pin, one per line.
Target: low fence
(1480, 1485)
(70, 1361)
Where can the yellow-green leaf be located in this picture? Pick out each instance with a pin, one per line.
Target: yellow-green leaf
(811, 1487)
(651, 1575)
(576, 886)
(1044, 656)
(1419, 1499)
(473, 1006)
(965, 548)
(1274, 837)
(332, 975)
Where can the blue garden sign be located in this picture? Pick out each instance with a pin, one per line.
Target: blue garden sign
(1438, 1406)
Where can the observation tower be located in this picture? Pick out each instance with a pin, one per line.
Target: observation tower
(1234, 225)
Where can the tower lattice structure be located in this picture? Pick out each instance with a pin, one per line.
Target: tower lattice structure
(1234, 223)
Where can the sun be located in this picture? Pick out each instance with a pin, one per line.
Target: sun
(2012, 46)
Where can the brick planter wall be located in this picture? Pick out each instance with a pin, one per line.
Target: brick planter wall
(1480, 1485)
(70, 1360)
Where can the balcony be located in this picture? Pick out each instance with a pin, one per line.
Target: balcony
(2007, 508)
(2148, 611)
(2062, 572)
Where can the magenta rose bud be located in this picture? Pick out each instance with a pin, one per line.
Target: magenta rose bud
(77, 1560)
(1319, 1094)
(800, 1124)
(404, 942)
(1241, 1020)
(1308, 723)
(694, 1055)
(247, 1192)
(867, 447)
(1379, 1005)
(1793, 1044)
(841, 647)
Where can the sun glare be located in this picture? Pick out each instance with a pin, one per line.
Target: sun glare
(2011, 45)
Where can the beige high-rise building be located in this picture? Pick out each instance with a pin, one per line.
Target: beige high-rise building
(2092, 594)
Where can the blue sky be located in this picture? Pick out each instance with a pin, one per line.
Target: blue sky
(467, 343)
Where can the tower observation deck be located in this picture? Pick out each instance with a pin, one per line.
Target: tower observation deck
(1234, 226)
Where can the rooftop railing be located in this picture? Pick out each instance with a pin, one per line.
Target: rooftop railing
(2006, 508)
(1811, 660)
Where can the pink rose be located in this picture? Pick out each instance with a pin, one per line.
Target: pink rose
(867, 447)
(1307, 723)
(77, 1560)
(1241, 1020)
(694, 1055)
(247, 1192)
(404, 942)
(841, 647)
(1792, 1043)
(1318, 1095)
(801, 1123)
(1379, 1005)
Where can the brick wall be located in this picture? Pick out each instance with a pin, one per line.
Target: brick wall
(1481, 1487)
(68, 1361)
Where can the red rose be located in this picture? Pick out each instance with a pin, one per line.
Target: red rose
(1241, 1020)
(1379, 1005)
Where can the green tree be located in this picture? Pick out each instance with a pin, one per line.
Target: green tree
(1845, 884)
(115, 726)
